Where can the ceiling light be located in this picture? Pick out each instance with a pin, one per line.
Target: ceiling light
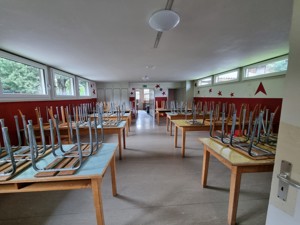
(145, 78)
(164, 20)
(150, 67)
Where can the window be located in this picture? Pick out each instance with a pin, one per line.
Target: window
(63, 83)
(227, 77)
(271, 67)
(146, 95)
(205, 81)
(20, 77)
(137, 95)
(84, 87)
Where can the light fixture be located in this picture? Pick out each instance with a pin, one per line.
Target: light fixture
(163, 20)
(145, 78)
(150, 67)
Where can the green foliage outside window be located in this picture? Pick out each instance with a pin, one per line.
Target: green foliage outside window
(19, 78)
(278, 66)
(63, 85)
(83, 88)
(267, 68)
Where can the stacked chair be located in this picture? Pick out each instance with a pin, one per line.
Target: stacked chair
(65, 158)
(251, 134)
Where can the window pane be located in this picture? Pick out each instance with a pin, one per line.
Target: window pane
(230, 76)
(268, 68)
(64, 85)
(146, 95)
(137, 95)
(83, 87)
(205, 81)
(19, 78)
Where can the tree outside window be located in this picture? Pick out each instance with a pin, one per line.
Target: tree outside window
(64, 85)
(83, 87)
(19, 78)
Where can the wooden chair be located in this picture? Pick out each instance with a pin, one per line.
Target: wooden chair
(156, 105)
(216, 120)
(198, 107)
(65, 136)
(162, 104)
(38, 114)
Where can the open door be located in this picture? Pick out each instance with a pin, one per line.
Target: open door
(284, 203)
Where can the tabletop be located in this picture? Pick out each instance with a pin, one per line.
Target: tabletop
(231, 155)
(94, 166)
(188, 123)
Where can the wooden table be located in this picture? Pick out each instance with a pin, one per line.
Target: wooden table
(184, 126)
(158, 111)
(126, 117)
(90, 175)
(178, 116)
(119, 130)
(238, 164)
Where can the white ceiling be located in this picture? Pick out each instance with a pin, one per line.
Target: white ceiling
(110, 40)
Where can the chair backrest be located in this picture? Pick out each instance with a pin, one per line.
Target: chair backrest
(63, 117)
(38, 114)
(64, 138)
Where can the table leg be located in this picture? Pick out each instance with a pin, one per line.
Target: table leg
(129, 123)
(171, 128)
(113, 175)
(127, 128)
(158, 118)
(167, 123)
(124, 139)
(96, 189)
(120, 143)
(235, 182)
(175, 136)
(205, 164)
(183, 143)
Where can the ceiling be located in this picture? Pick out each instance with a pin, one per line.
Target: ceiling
(110, 40)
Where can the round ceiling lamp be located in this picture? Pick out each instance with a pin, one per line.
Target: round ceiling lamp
(164, 20)
(145, 78)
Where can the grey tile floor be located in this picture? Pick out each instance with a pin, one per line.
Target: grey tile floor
(155, 187)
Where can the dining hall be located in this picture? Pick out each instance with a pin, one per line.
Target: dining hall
(162, 112)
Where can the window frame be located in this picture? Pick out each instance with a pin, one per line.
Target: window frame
(228, 81)
(139, 94)
(17, 97)
(264, 63)
(147, 93)
(203, 85)
(55, 96)
(78, 79)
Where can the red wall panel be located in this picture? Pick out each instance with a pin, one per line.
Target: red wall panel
(159, 100)
(9, 109)
(269, 103)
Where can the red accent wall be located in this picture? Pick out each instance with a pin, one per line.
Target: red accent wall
(133, 114)
(159, 100)
(269, 103)
(9, 109)
(132, 99)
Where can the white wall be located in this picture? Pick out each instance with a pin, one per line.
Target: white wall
(189, 90)
(93, 89)
(116, 92)
(273, 86)
(288, 147)
(160, 88)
